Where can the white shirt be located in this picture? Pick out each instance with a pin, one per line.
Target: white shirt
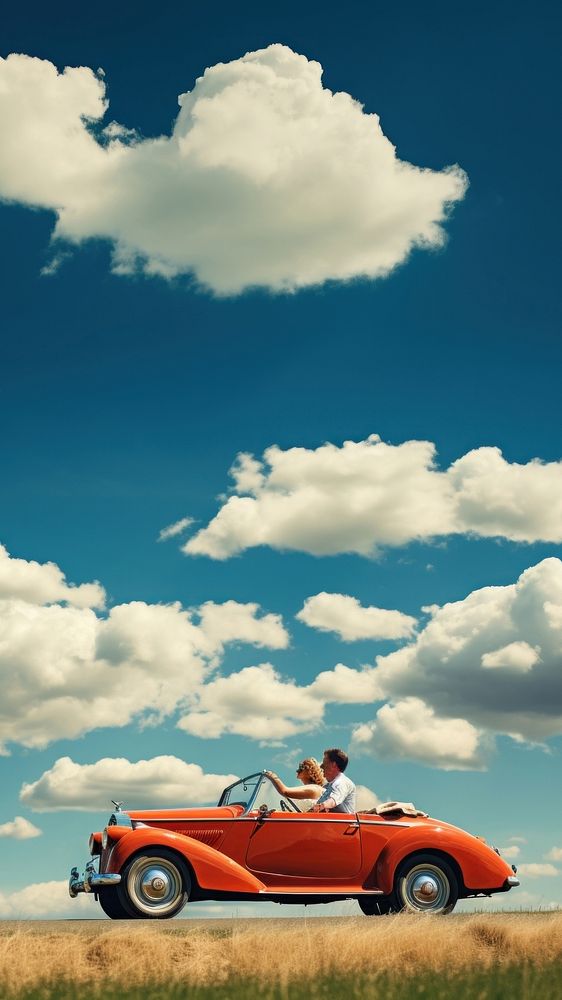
(342, 791)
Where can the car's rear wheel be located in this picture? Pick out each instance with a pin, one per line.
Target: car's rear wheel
(112, 905)
(374, 906)
(155, 884)
(425, 884)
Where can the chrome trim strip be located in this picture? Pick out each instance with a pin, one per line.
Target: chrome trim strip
(298, 818)
(382, 822)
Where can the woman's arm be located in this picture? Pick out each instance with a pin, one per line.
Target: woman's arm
(304, 792)
(301, 792)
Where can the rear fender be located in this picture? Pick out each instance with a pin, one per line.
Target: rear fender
(212, 870)
(479, 866)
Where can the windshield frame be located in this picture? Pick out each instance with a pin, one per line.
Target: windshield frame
(251, 801)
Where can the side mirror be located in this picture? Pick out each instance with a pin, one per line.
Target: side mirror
(263, 812)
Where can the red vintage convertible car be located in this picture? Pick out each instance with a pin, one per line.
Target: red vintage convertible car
(256, 844)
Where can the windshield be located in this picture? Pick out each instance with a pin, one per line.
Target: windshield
(241, 792)
(269, 797)
(254, 791)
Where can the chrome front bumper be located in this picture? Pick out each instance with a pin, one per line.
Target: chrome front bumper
(90, 881)
(511, 881)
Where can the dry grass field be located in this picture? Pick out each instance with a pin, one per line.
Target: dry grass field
(400, 955)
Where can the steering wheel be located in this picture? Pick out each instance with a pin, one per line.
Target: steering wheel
(284, 806)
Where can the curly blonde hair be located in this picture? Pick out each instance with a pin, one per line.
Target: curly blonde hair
(313, 769)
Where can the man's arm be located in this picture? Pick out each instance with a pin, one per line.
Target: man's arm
(337, 794)
(325, 806)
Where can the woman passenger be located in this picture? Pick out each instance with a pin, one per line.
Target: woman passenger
(310, 774)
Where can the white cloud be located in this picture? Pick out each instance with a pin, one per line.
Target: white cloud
(256, 702)
(444, 664)
(513, 851)
(346, 617)
(485, 665)
(537, 870)
(268, 179)
(160, 781)
(332, 499)
(517, 656)
(44, 583)
(65, 671)
(46, 900)
(177, 528)
(369, 494)
(366, 799)
(260, 703)
(343, 685)
(410, 730)
(234, 622)
(555, 854)
(19, 828)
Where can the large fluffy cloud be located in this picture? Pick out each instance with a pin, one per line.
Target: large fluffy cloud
(368, 494)
(66, 670)
(345, 616)
(491, 663)
(257, 702)
(411, 730)
(268, 178)
(260, 703)
(160, 781)
(46, 900)
(44, 583)
(449, 664)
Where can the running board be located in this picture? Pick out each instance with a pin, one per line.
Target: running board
(326, 891)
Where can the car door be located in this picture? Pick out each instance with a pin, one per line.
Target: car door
(324, 846)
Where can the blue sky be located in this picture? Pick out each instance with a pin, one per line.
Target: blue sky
(127, 397)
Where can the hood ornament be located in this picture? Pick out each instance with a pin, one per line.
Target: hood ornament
(117, 805)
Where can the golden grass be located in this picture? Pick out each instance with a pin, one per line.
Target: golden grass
(283, 951)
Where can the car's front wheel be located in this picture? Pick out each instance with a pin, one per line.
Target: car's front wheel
(155, 884)
(425, 884)
(111, 904)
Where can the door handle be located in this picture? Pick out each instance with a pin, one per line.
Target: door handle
(351, 829)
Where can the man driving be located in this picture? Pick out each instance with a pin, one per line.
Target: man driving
(339, 792)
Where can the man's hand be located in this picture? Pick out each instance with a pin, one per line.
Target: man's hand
(318, 807)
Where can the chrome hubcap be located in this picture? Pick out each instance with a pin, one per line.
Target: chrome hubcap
(426, 888)
(155, 885)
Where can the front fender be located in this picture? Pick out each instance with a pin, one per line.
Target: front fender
(480, 866)
(213, 870)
